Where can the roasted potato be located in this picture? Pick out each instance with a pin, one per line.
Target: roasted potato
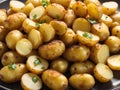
(31, 81)
(116, 31)
(3, 16)
(97, 2)
(116, 17)
(36, 64)
(52, 50)
(54, 80)
(34, 2)
(82, 81)
(77, 53)
(12, 72)
(3, 33)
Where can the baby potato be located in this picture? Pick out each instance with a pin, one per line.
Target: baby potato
(34, 2)
(11, 57)
(64, 3)
(116, 31)
(69, 17)
(59, 26)
(24, 47)
(3, 48)
(81, 24)
(106, 19)
(36, 64)
(3, 33)
(116, 17)
(77, 53)
(37, 13)
(110, 7)
(101, 30)
(28, 25)
(16, 6)
(82, 67)
(56, 11)
(82, 81)
(52, 50)
(12, 72)
(31, 81)
(69, 38)
(14, 21)
(3, 16)
(47, 32)
(103, 73)
(114, 62)
(113, 43)
(35, 37)
(87, 39)
(80, 9)
(59, 64)
(99, 53)
(12, 37)
(97, 2)
(54, 80)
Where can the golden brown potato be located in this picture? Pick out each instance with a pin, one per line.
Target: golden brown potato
(10, 11)
(110, 7)
(103, 73)
(116, 31)
(87, 39)
(47, 32)
(36, 64)
(12, 72)
(113, 43)
(116, 17)
(71, 3)
(82, 67)
(101, 30)
(23, 47)
(3, 33)
(54, 80)
(97, 2)
(77, 53)
(14, 21)
(59, 64)
(35, 37)
(80, 9)
(56, 11)
(81, 24)
(99, 53)
(59, 26)
(3, 16)
(52, 50)
(82, 81)
(31, 81)
(34, 2)
(11, 57)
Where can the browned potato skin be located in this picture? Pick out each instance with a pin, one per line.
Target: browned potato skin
(113, 43)
(80, 9)
(14, 21)
(3, 16)
(97, 2)
(52, 50)
(82, 81)
(116, 31)
(59, 65)
(3, 33)
(82, 67)
(77, 53)
(54, 80)
(11, 57)
(10, 76)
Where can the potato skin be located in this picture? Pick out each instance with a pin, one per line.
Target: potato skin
(77, 53)
(52, 50)
(54, 80)
(3, 16)
(116, 31)
(3, 33)
(82, 81)
(7, 75)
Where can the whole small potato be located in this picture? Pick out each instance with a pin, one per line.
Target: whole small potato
(116, 31)
(52, 50)
(54, 80)
(3, 16)
(82, 67)
(77, 53)
(116, 17)
(12, 72)
(3, 33)
(59, 64)
(82, 81)
(97, 2)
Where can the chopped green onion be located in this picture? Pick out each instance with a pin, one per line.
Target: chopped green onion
(57, 16)
(39, 23)
(34, 79)
(43, 67)
(92, 21)
(12, 66)
(106, 17)
(45, 3)
(37, 62)
(87, 35)
(34, 16)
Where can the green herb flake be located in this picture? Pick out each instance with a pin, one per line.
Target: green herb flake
(34, 16)
(34, 79)
(92, 21)
(106, 17)
(37, 62)
(45, 3)
(40, 22)
(43, 67)
(87, 35)
(57, 16)
(12, 66)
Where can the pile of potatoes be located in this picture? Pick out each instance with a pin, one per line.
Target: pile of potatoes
(42, 40)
